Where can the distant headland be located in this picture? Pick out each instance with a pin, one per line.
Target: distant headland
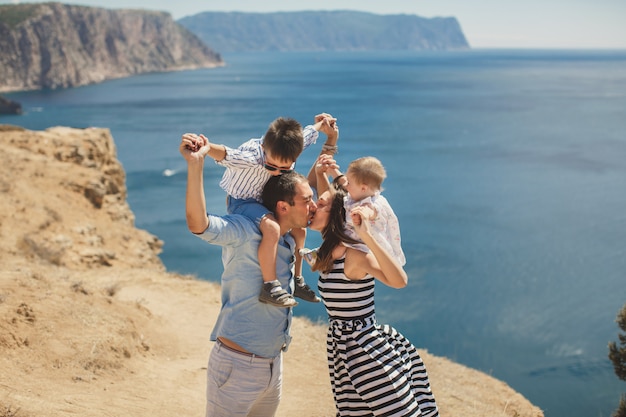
(325, 31)
(55, 45)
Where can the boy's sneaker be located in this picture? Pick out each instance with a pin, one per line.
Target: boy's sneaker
(272, 293)
(304, 291)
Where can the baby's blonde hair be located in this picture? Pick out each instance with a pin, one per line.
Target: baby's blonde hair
(369, 171)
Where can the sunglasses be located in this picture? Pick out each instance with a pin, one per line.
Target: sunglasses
(272, 168)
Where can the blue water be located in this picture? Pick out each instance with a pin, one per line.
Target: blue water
(506, 169)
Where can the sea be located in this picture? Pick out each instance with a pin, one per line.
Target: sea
(506, 169)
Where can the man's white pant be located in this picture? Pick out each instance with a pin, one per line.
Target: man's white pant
(240, 384)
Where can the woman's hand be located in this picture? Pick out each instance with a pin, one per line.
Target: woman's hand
(326, 164)
(361, 218)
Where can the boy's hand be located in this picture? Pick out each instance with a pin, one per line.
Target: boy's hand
(320, 117)
(327, 124)
(194, 147)
(330, 128)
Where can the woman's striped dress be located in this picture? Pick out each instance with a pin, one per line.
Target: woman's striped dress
(374, 370)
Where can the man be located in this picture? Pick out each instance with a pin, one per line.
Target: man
(244, 375)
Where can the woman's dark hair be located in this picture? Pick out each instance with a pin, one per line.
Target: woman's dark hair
(334, 233)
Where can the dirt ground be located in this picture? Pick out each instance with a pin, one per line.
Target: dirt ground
(92, 324)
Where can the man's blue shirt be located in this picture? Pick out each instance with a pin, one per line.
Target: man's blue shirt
(257, 327)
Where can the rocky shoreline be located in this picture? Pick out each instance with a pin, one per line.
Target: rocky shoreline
(9, 106)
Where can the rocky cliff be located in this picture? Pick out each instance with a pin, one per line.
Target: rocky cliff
(53, 45)
(62, 191)
(324, 31)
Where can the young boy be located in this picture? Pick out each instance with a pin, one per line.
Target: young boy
(247, 170)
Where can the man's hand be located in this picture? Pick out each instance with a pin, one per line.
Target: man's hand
(194, 147)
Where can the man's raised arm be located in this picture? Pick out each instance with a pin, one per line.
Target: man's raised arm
(194, 148)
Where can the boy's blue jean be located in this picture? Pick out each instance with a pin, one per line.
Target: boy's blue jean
(248, 207)
(241, 385)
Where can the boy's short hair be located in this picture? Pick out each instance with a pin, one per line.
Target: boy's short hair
(281, 188)
(368, 170)
(284, 140)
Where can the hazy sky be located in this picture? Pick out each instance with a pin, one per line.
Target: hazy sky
(486, 23)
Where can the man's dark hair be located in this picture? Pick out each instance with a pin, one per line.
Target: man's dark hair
(283, 139)
(281, 188)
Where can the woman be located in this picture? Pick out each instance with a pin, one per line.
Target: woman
(374, 370)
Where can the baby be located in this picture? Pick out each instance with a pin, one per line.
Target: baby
(363, 182)
(364, 185)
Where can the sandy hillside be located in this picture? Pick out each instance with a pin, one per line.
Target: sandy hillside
(91, 324)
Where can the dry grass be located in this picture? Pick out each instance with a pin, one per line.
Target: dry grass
(9, 411)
